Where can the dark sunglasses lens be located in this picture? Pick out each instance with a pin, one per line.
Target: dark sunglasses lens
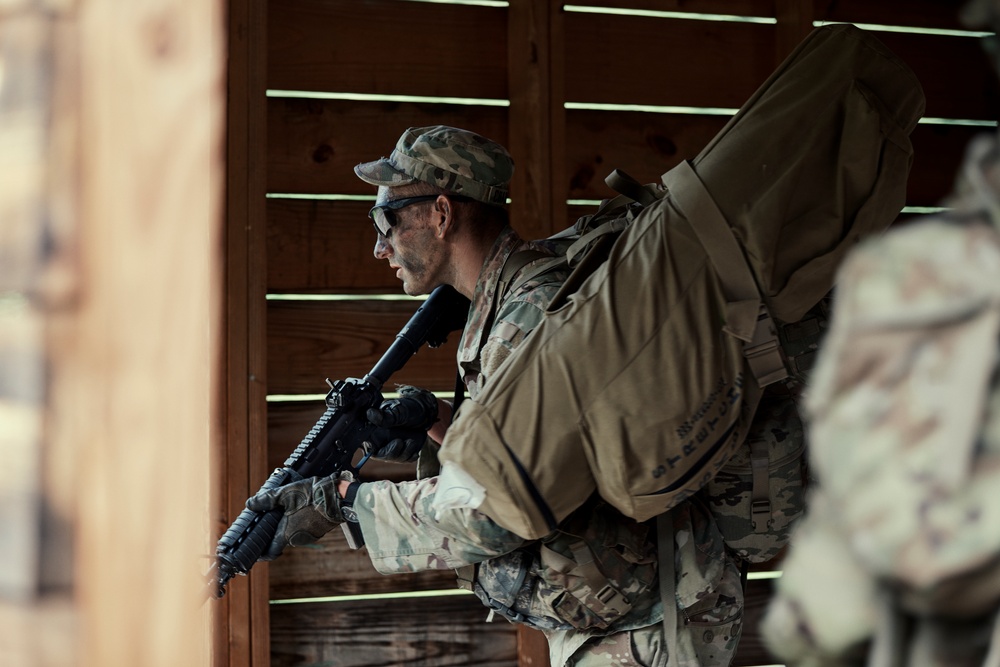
(384, 220)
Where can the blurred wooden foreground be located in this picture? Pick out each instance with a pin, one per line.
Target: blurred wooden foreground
(110, 219)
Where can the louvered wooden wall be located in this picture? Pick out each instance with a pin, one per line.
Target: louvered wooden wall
(343, 75)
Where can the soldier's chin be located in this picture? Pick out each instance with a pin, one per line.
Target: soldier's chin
(410, 289)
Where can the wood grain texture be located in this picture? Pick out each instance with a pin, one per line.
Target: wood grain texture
(311, 341)
(388, 47)
(289, 422)
(330, 568)
(313, 145)
(325, 247)
(425, 632)
(435, 631)
(660, 61)
(958, 79)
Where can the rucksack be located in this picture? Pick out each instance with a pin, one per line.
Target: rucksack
(759, 493)
(645, 380)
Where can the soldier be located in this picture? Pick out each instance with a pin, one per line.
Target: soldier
(592, 585)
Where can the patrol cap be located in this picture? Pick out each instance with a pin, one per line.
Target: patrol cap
(457, 160)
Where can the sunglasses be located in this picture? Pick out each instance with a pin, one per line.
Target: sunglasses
(384, 216)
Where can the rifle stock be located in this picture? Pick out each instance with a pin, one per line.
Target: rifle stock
(333, 442)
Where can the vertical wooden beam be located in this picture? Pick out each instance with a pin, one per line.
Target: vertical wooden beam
(536, 139)
(536, 132)
(795, 22)
(243, 622)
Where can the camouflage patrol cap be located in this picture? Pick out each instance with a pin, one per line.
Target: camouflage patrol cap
(457, 160)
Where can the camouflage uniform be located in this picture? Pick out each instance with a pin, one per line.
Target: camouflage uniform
(905, 443)
(527, 581)
(591, 586)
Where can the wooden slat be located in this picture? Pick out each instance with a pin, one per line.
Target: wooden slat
(311, 632)
(956, 75)
(424, 632)
(388, 47)
(642, 144)
(918, 13)
(311, 341)
(324, 246)
(760, 8)
(313, 145)
(331, 568)
(938, 152)
(289, 422)
(726, 62)
(636, 60)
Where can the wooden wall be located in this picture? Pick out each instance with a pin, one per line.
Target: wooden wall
(346, 77)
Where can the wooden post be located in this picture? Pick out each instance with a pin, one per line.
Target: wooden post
(795, 22)
(536, 131)
(242, 621)
(536, 139)
(110, 137)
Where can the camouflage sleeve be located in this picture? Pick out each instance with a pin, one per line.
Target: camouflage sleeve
(404, 534)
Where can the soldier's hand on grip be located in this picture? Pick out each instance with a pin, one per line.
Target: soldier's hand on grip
(312, 509)
(402, 425)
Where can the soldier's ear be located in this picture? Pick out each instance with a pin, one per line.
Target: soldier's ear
(444, 216)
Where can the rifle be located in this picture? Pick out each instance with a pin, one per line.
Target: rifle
(332, 443)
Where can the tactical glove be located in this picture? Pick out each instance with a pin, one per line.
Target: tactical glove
(312, 509)
(402, 425)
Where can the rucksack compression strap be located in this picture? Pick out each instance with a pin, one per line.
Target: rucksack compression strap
(747, 317)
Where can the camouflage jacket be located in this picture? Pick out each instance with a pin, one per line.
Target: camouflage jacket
(540, 583)
(905, 444)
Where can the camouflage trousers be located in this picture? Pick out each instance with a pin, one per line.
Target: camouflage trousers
(710, 642)
(639, 648)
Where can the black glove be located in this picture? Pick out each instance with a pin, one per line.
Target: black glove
(402, 425)
(312, 509)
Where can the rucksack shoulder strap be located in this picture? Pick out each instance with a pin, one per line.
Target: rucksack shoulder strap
(747, 317)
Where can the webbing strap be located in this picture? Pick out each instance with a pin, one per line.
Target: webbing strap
(668, 588)
(621, 182)
(747, 317)
(760, 495)
(605, 598)
(610, 227)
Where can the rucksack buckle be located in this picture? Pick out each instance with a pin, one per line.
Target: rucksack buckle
(764, 353)
(760, 515)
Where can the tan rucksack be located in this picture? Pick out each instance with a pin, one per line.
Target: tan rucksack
(646, 379)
